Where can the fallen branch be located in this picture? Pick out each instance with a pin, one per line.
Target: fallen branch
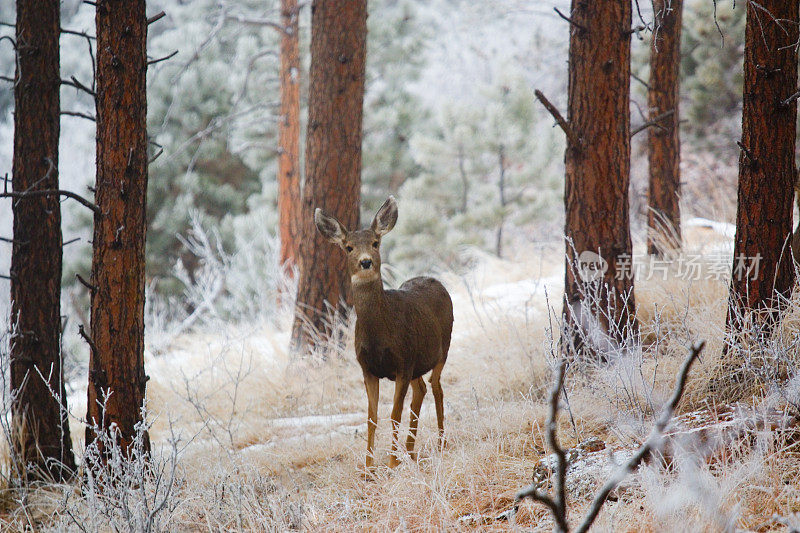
(574, 140)
(649, 445)
(557, 506)
(654, 122)
(53, 192)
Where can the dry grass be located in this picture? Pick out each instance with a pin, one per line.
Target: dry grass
(272, 442)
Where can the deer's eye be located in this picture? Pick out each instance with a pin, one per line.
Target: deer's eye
(375, 245)
(348, 248)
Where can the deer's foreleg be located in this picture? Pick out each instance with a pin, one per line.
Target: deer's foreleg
(372, 384)
(400, 390)
(418, 390)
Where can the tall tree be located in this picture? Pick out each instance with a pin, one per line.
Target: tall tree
(598, 292)
(664, 144)
(289, 134)
(116, 365)
(333, 155)
(762, 263)
(41, 430)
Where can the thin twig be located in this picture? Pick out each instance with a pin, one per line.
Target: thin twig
(160, 59)
(654, 122)
(747, 153)
(53, 192)
(73, 82)
(789, 100)
(92, 288)
(156, 17)
(574, 140)
(79, 115)
(640, 80)
(87, 338)
(563, 16)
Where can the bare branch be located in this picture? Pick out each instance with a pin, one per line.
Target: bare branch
(654, 122)
(92, 288)
(791, 99)
(79, 34)
(557, 505)
(747, 153)
(574, 140)
(650, 444)
(10, 39)
(160, 59)
(87, 338)
(156, 17)
(563, 16)
(640, 80)
(73, 82)
(53, 192)
(79, 115)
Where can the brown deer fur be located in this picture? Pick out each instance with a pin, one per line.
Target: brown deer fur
(400, 334)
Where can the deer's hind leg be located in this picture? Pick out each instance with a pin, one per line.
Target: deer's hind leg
(418, 390)
(400, 390)
(438, 396)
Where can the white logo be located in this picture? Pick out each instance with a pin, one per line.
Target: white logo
(591, 267)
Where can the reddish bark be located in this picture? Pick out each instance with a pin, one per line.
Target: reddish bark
(598, 168)
(40, 429)
(116, 365)
(333, 155)
(767, 173)
(289, 136)
(664, 144)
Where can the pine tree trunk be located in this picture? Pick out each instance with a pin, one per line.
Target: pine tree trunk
(333, 155)
(116, 365)
(289, 135)
(664, 145)
(766, 163)
(40, 428)
(597, 176)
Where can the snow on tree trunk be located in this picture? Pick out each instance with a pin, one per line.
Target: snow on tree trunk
(116, 364)
(333, 155)
(289, 135)
(40, 429)
(599, 299)
(762, 262)
(663, 215)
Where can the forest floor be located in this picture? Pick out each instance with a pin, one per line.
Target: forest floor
(264, 441)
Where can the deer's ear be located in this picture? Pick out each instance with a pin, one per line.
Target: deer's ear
(385, 218)
(329, 227)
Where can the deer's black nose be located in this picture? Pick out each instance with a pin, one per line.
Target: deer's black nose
(366, 263)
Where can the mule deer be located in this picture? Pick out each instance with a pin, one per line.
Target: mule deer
(400, 334)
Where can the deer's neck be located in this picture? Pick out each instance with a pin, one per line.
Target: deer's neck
(370, 300)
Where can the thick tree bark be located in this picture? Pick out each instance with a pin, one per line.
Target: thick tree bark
(333, 155)
(664, 144)
(599, 302)
(40, 428)
(289, 135)
(766, 163)
(116, 365)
